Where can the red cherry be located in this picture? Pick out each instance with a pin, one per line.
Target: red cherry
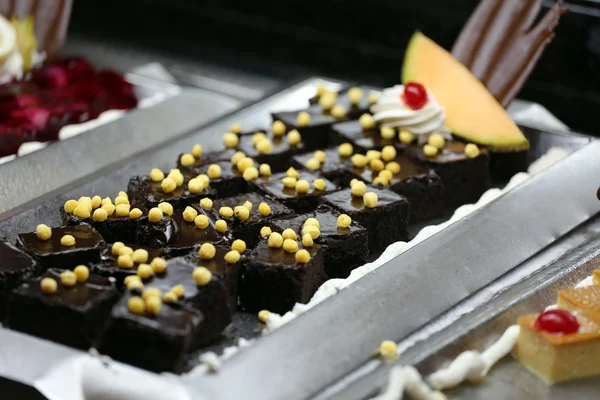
(415, 95)
(557, 322)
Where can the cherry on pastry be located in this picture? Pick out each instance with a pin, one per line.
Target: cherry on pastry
(557, 322)
(415, 95)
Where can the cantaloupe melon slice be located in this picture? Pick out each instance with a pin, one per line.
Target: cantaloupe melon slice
(472, 113)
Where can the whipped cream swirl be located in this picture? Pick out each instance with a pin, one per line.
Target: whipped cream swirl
(391, 110)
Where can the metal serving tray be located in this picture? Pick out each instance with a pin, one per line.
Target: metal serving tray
(310, 354)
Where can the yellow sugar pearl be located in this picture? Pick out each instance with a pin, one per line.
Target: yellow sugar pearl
(82, 273)
(151, 292)
(373, 155)
(189, 214)
(387, 133)
(437, 140)
(237, 156)
(313, 231)
(370, 199)
(135, 213)
(344, 221)
(136, 305)
(379, 180)
(366, 121)
(124, 194)
(278, 128)
(321, 89)
(96, 201)
(197, 150)
(386, 174)
(312, 222)
(393, 167)
(153, 305)
(170, 297)
(116, 248)
(289, 234)
(128, 279)
(307, 240)
(338, 111)
(248, 205)
(373, 98)
(355, 94)
(156, 175)
(289, 182)
(168, 185)
(82, 210)
(319, 184)
(43, 232)
(201, 221)
(155, 214)
(302, 256)
(358, 189)
(264, 170)
(135, 284)
(376, 165)
(258, 137)
(359, 160)
(263, 315)
(67, 241)
(345, 149)
(353, 182)
(121, 200)
(242, 213)
(100, 215)
(238, 245)
(233, 256)
(264, 146)
(145, 271)
(140, 256)
(303, 118)
(388, 349)
(109, 208)
(388, 153)
(430, 150)
(206, 203)
(230, 140)
(275, 240)
(327, 101)
(207, 251)
(406, 137)
(471, 150)
(294, 137)
(302, 186)
(68, 278)
(125, 261)
(106, 200)
(122, 210)
(292, 173)
(236, 128)
(264, 209)
(158, 264)
(85, 204)
(244, 164)
(313, 164)
(125, 250)
(221, 226)
(186, 159)
(265, 231)
(70, 205)
(250, 173)
(289, 245)
(226, 212)
(179, 291)
(48, 286)
(177, 177)
(320, 155)
(214, 171)
(195, 185)
(85, 199)
(202, 276)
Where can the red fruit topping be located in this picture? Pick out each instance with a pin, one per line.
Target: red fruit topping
(37, 117)
(52, 76)
(415, 95)
(557, 322)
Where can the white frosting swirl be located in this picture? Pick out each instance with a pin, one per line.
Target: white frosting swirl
(391, 110)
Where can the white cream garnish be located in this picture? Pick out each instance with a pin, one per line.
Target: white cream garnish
(391, 110)
(408, 379)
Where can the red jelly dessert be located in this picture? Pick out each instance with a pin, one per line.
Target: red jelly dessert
(557, 322)
(415, 95)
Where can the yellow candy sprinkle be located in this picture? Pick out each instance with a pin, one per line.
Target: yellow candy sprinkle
(48, 285)
(312, 222)
(230, 140)
(206, 203)
(264, 209)
(100, 215)
(207, 251)
(313, 164)
(136, 305)
(116, 247)
(319, 184)
(145, 271)
(201, 221)
(358, 189)
(264, 170)
(67, 241)
(302, 186)
(263, 315)
(303, 118)
(250, 173)
(307, 240)
(158, 264)
(153, 305)
(388, 349)
(265, 231)
(70, 205)
(140, 256)
(471, 150)
(43, 232)
(292, 173)
(366, 121)
(233, 256)
(82, 210)
(214, 171)
(437, 140)
(345, 149)
(388, 153)
(202, 276)
(290, 246)
(355, 94)
(387, 133)
(168, 185)
(370, 199)
(189, 214)
(68, 278)
(197, 150)
(238, 245)
(294, 137)
(82, 273)
(226, 212)
(236, 128)
(275, 240)
(338, 111)
(125, 261)
(302, 256)
(278, 128)
(289, 182)
(393, 167)
(359, 160)
(155, 214)
(135, 213)
(344, 221)
(242, 213)
(179, 291)
(221, 226)
(430, 150)
(187, 159)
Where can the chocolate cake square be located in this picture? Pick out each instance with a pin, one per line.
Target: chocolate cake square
(273, 187)
(158, 343)
(72, 315)
(15, 267)
(386, 223)
(204, 159)
(352, 110)
(146, 193)
(273, 280)
(52, 254)
(464, 178)
(362, 139)
(279, 156)
(229, 184)
(109, 266)
(347, 248)
(335, 167)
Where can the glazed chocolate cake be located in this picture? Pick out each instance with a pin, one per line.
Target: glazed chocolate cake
(15, 267)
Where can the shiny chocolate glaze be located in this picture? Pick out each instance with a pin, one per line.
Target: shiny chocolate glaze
(85, 236)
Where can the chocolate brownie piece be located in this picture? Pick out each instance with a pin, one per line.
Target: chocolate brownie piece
(386, 223)
(273, 280)
(352, 110)
(157, 234)
(248, 230)
(230, 183)
(72, 315)
(347, 248)
(362, 139)
(15, 267)
(335, 167)
(417, 182)
(464, 178)
(109, 266)
(211, 300)
(51, 253)
(279, 156)
(505, 164)
(273, 187)
(158, 343)
(147, 193)
(204, 159)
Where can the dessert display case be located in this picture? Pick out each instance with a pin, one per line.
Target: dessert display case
(447, 280)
